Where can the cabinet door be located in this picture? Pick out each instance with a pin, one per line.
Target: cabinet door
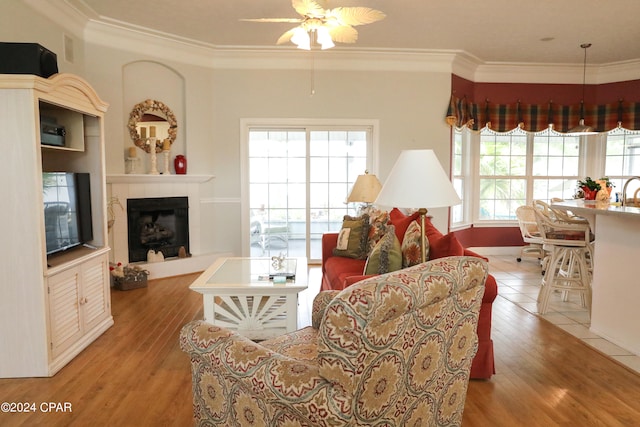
(64, 310)
(95, 298)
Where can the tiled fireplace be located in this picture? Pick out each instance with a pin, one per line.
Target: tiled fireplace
(171, 216)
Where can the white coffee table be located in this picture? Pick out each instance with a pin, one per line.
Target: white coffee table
(239, 294)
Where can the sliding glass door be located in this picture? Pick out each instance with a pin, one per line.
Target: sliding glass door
(298, 182)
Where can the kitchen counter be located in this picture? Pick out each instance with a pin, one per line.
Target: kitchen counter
(615, 313)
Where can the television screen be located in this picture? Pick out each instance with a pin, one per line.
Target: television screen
(67, 210)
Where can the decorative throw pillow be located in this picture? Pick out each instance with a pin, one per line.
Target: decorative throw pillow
(447, 245)
(386, 256)
(430, 230)
(352, 240)
(378, 223)
(401, 221)
(411, 246)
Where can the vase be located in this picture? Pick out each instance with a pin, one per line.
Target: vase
(180, 163)
(589, 194)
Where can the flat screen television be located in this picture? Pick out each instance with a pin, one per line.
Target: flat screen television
(67, 210)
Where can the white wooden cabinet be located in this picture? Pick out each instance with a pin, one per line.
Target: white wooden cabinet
(51, 307)
(79, 302)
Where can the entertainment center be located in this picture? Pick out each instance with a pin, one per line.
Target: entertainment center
(55, 295)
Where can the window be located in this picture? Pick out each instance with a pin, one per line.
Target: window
(513, 168)
(298, 180)
(502, 180)
(277, 187)
(556, 165)
(459, 171)
(622, 158)
(336, 160)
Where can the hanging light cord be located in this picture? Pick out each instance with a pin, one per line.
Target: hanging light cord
(313, 75)
(584, 77)
(313, 65)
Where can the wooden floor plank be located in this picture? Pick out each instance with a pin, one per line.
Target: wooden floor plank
(136, 374)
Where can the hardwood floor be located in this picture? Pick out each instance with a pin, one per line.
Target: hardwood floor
(136, 374)
(133, 375)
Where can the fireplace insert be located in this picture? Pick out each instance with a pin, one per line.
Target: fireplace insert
(159, 224)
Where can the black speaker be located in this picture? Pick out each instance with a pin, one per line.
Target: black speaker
(27, 58)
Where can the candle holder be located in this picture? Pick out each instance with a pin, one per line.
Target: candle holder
(167, 169)
(154, 160)
(132, 164)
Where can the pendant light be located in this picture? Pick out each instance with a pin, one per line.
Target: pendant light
(583, 129)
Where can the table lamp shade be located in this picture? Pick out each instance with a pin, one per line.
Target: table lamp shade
(365, 189)
(417, 180)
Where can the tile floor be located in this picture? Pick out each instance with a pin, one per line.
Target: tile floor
(519, 282)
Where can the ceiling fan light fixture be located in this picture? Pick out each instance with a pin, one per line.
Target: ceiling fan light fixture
(301, 38)
(327, 26)
(324, 38)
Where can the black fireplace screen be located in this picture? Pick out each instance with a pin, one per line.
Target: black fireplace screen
(159, 224)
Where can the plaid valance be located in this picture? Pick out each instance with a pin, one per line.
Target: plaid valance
(538, 117)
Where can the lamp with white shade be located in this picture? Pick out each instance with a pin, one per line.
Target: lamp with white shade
(418, 181)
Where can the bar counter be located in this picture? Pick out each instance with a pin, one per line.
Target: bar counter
(615, 308)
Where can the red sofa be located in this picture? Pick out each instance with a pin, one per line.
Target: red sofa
(339, 272)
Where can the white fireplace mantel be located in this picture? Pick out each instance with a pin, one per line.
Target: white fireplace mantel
(157, 179)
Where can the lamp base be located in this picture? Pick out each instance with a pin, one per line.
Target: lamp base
(423, 236)
(365, 208)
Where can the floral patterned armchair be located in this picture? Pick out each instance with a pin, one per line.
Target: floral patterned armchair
(395, 349)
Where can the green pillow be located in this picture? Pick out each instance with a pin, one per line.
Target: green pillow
(386, 255)
(353, 237)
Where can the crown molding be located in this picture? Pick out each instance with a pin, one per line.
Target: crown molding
(465, 65)
(335, 59)
(147, 43)
(70, 18)
(530, 73)
(556, 73)
(618, 72)
(80, 20)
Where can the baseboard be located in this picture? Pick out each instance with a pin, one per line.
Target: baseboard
(178, 266)
(497, 250)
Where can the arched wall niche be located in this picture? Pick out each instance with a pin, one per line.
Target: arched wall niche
(153, 80)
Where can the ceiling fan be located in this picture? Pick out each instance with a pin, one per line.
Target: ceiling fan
(327, 25)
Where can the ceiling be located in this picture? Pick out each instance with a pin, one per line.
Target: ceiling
(534, 31)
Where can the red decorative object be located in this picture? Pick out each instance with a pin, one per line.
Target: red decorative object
(180, 163)
(589, 194)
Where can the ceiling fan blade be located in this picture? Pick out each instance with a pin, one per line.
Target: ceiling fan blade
(289, 20)
(308, 8)
(343, 34)
(356, 15)
(286, 37)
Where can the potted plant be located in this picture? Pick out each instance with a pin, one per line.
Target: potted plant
(605, 183)
(589, 188)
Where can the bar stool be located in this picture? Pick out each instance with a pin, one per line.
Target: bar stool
(530, 234)
(567, 217)
(567, 269)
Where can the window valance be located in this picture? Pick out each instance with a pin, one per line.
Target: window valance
(538, 117)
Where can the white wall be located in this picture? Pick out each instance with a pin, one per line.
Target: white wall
(409, 105)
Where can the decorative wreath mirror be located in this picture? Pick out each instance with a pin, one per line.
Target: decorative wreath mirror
(149, 119)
